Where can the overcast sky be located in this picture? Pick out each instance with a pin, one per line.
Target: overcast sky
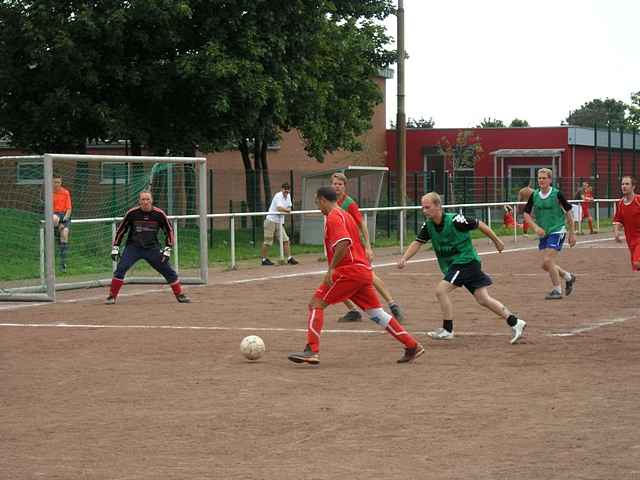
(512, 58)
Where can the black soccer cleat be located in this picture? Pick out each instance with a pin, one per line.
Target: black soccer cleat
(351, 316)
(307, 356)
(397, 313)
(182, 298)
(267, 262)
(292, 261)
(568, 285)
(410, 354)
(110, 300)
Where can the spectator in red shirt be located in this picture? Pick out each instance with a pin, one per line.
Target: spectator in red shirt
(349, 276)
(628, 216)
(586, 195)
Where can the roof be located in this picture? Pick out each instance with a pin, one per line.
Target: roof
(528, 152)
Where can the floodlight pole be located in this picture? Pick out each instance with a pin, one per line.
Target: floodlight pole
(401, 121)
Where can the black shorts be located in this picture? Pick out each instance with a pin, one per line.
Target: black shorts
(63, 220)
(468, 275)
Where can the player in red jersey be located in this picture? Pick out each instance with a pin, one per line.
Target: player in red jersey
(628, 216)
(349, 205)
(349, 276)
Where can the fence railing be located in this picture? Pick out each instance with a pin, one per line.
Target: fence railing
(481, 210)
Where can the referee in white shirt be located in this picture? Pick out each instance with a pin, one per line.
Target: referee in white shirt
(274, 224)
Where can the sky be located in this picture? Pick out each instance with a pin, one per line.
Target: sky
(508, 59)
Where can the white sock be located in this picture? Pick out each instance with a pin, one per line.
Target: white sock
(567, 276)
(558, 289)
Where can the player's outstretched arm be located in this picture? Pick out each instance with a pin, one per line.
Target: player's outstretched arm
(409, 252)
(488, 232)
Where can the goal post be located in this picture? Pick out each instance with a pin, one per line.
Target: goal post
(102, 189)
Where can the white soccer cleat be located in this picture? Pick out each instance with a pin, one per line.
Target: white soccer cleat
(441, 334)
(518, 330)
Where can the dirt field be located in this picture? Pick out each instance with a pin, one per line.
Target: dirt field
(152, 389)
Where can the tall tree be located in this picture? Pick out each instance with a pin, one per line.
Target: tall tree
(600, 112)
(634, 110)
(516, 122)
(187, 74)
(489, 122)
(418, 123)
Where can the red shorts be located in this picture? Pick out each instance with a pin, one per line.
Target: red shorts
(350, 283)
(585, 212)
(635, 255)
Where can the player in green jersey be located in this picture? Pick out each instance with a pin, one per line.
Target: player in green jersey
(460, 263)
(553, 218)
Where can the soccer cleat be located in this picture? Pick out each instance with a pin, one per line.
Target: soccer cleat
(110, 300)
(553, 295)
(293, 261)
(266, 261)
(518, 330)
(182, 298)
(351, 316)
(568, 285)
(397, 313)
(410, 354)
(441, 334)
(306, 356)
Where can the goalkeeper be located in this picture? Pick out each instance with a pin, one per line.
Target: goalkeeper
(143, 223)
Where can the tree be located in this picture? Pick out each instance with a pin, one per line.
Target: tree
(421, 123)
(489, 122)
(177, 76)
(516, 123)
(601, 113)
(634, 110)
(462, 155)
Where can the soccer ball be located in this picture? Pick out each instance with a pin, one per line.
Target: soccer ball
(252, 347)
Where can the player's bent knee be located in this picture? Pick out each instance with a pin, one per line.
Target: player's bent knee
(379, 316)
(317, 303)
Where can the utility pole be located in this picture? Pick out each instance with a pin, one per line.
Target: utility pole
(401, 120)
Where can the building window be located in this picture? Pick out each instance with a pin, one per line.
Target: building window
(115, 172)
(30, 173)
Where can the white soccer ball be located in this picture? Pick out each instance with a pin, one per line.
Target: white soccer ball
(252, 347)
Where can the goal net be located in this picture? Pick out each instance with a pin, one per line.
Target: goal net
(40, 258)
(364, 186)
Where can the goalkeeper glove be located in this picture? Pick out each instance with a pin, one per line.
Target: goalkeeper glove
(166, 253)
(115, 253)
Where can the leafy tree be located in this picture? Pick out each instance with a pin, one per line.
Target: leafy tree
(421, 122)
(177, 76)
(462, 155)
(600, 112)
(634, 110)
(489, 122)
(516, 122)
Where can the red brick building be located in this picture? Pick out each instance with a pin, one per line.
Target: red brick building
(511, 156)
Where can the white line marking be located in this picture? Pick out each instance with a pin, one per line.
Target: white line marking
(570, 333)
(224, 329)
(593, 326)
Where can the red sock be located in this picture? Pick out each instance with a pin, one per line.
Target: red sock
(398, 332)
(116, 285)
(314, 328)
(176, 287)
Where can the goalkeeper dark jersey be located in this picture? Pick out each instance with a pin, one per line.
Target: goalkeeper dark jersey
(143, 228)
